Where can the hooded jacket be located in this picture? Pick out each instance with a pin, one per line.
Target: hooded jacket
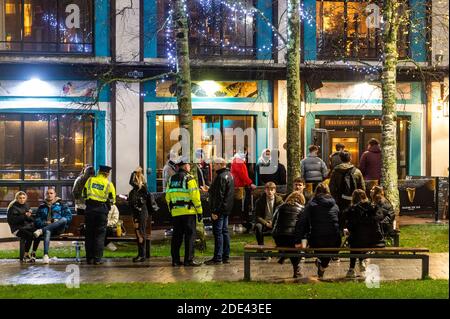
(16, 217)
(370, 163)
(221, 193)
(337, 178)
(48, 211)
(385, 209)
(363, 222)
(140, 199)
(313, 169)
(319, 223)
(278, 174)
(169, 170)
(240, 173)
(285, 219)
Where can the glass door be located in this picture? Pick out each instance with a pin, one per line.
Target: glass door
(351, 142)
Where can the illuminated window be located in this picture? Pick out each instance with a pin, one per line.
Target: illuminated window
(61, 26)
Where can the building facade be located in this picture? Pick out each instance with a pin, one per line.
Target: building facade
(55, 54)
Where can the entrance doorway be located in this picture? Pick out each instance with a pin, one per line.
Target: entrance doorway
(356, 132)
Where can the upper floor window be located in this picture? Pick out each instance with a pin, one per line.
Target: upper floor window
(343, 31)
(215, 29)
(44, 26)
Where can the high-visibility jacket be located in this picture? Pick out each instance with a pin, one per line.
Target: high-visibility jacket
(100, 189)
(183, 195)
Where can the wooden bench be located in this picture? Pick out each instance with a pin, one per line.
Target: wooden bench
(73, 234)
(342, 252)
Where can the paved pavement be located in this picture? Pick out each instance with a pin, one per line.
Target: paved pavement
(159, 270)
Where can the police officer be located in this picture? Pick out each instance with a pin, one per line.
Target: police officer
(183, 200)
(100, 194)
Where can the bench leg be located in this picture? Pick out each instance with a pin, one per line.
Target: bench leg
(247, 267)
(147, 248)
(396, 240)
(77, 252)
(425, 266)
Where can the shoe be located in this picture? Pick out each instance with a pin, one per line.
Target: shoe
(98, 262)
(26, 259)
(362, 265)
(90, 261)
(111, 247)
(46, 259)
(320, 270)
(192, 264)
(297, 272)
(212, 262)
(350, 273)
(281, 260)
(138, 259)
(33, 258)
(177, 263)
(225, 261)
(37, 233)
(302, 259)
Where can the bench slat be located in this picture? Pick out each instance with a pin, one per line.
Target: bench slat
(385, 249)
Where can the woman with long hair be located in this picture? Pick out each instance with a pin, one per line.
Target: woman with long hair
(22, 225)
(140, 202)
(383, 206)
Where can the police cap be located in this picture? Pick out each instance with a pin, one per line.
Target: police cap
(104, 168)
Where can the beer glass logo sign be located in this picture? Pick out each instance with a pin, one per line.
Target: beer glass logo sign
(73, 17)
(411, 193)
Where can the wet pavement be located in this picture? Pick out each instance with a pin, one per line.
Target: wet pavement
(159, 270)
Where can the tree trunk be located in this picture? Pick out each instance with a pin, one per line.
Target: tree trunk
(389, 177)
(183, 76)
(293, 94)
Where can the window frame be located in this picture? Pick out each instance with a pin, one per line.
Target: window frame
(57, 43)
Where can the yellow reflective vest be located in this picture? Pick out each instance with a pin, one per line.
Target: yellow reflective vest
(183, 195)
(100, 189)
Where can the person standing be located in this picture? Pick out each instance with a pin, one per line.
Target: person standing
(284, 221)
(169, 169)
(265, 206)
(52, 218)
(22, 225)
(221, 197)
(345, 178)
(77, 189)
(313, 168)
(183, 200)
(203, 171)
(334, 159)
(266, 171)
(141, 201)
(320, 225)
(370, 162)
(100, 194)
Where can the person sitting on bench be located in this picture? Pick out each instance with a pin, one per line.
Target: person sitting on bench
(363, 226)
(52, 218)
(284, 221)
(383, 205)
(320, 222)
(22, 225)
(111, 227)
(265, 206)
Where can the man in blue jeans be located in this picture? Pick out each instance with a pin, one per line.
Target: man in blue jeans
(52, 218)
(221, 197)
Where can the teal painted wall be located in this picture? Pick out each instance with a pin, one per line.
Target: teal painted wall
(102, 28)
(264, 33)
(261, 141)
(309, 30)
(150, 27)
(417, 38)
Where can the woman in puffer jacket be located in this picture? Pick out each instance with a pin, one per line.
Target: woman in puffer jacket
(384, 207)
(363, 226)
(284, 221)
(22, 225)
(140, 202)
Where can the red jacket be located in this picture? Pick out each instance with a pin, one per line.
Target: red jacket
(370, 163)
(240, 173)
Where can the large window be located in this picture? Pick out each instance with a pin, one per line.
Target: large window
(206, 138)
(343, 31)
(215, 29)
(36, 26)
(44, 146)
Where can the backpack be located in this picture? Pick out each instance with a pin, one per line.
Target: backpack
(348, 184)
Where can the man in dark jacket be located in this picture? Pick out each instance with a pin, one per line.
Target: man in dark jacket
(344, 179)
(314, 169)
(335, 159)
(264, 209)
(370, 162)
(221, 198)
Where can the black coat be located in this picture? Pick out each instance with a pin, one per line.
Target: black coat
(387, 211)
(260, 207)
(363, 223)
(17, 219)
(221, 193)
(285, 218)
(279, 177)
(140, 199)
(320, 223)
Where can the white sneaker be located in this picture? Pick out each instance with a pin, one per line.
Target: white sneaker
(362, 265)
(46, 259)
(350, 273)
(37, 233)
(111, 247)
